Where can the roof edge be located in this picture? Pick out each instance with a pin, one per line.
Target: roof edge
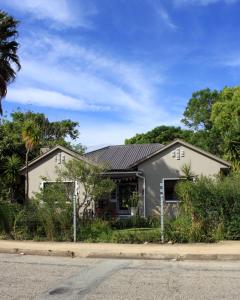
(69, 151)
(197, 149)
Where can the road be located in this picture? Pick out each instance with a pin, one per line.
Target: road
(39, 277)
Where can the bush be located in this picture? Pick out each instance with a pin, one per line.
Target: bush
(54, 212)
(209, 210)
(136, 222)
(94, 231)
(136, 235)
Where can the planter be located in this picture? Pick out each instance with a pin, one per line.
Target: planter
(133, 211)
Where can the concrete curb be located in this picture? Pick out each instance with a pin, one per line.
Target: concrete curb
(38, 252)
(125, 255)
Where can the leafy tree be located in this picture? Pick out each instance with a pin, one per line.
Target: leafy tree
(91, 178)
(11, 169)
(50, 134)
(226, 119)
(197, 114)
(162, 134)
(30, 136)
(9, 61)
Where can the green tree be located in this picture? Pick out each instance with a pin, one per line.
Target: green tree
(63, 132)
(11, 169)
(225, 117)
(30, 136)
(90, 177)
(161, 134)
(9, 61)
(197, 114)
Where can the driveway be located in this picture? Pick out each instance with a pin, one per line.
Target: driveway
(41, 277)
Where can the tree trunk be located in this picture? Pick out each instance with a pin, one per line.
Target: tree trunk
(26, 178)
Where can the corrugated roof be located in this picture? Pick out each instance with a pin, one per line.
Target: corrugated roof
(121, 157)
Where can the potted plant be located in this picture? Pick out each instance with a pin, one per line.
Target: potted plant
(133, 203)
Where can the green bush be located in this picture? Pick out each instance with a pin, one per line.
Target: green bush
(209, 210)
(96, 230)
(54, 212)
(136, 235)
(136, 222)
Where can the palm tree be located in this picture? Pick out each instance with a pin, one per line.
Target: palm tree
(31, 137)
(9, 61)
(11, 169)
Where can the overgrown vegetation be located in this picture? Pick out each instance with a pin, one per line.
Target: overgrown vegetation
(209, 210)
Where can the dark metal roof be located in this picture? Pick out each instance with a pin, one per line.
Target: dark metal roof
(121, 157)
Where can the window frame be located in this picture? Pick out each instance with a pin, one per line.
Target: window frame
(168, 179)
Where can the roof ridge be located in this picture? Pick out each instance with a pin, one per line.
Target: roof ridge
(96, 150)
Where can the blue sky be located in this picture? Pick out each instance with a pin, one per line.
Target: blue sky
(121, 67)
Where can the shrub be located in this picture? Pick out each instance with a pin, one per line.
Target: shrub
(136, 222)
(137, 235)
(94, 230)
(54, 212)
(210, 207)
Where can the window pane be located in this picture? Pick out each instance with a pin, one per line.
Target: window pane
(169, 190)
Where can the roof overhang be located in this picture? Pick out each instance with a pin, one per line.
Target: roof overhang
(197, 149)
(72, 153)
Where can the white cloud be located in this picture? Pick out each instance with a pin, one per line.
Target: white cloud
(63, 75)
(58, 11)
(203, 2)
(166, 18)
(233, 61)
(87, 74)
(48, 98)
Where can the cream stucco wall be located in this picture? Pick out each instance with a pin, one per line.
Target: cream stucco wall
(46, 168)
(163, 165)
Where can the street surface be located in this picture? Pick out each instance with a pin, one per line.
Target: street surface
(41, 277)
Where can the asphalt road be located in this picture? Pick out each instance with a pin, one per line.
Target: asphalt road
(36, 277)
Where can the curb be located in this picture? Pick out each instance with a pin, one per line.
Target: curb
(38, 252)
(122, 255)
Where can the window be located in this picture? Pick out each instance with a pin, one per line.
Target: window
(170, 190)
(67, 187)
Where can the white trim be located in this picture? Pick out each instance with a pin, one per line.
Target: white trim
(144, 192)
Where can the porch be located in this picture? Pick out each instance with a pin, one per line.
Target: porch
(115, 204)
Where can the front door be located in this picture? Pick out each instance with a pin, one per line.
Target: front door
(124, 192)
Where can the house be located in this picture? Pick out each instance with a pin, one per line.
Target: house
(150, 169)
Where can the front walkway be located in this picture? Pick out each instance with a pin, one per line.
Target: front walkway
(226, 250)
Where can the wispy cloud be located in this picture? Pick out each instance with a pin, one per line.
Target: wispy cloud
(231, 61)
(87, 74)
(63, 75)
(164, 15)
(46, 98)
(203, 2)
(60, 12)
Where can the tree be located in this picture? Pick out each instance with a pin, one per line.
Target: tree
(161, 134)
(197, 114)
(11, 169)
(91, 178)
(63, 132)
(225, 117)
(30, 136)
(9, 61)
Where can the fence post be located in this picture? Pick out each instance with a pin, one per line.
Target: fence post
(75, 212)
(161, 210)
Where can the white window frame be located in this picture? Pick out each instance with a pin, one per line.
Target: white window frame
(67, 181)
(166, 179)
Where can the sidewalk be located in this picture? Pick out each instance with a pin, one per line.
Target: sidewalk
(227, 250)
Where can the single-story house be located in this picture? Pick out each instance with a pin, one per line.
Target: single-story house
(150, 169)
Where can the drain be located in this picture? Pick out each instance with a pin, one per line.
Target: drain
(59, 291)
